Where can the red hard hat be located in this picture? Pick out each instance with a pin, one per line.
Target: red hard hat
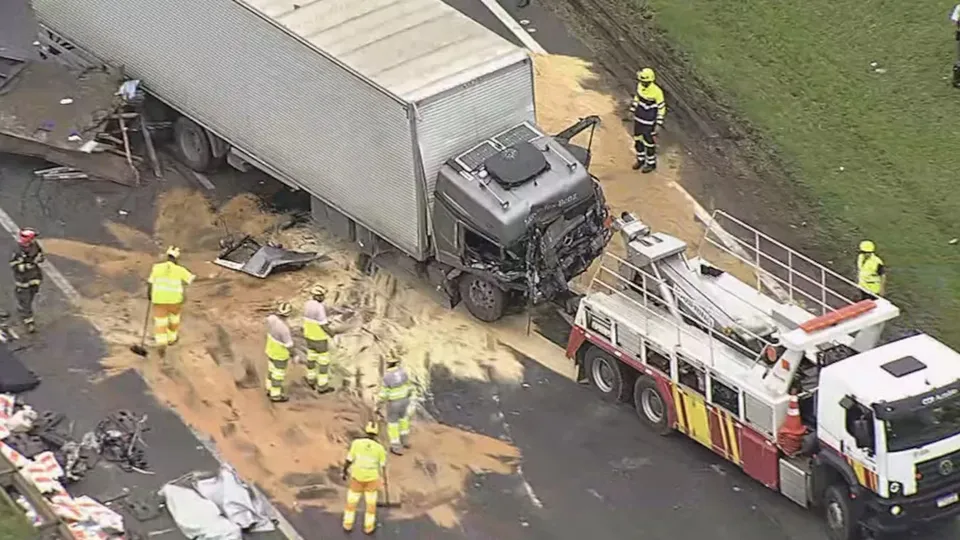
(26, 236)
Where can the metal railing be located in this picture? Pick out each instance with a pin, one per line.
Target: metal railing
(779, 269)
(612, 281)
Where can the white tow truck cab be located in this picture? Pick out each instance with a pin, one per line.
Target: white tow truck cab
(785, 377)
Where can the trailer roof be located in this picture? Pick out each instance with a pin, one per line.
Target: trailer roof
(411, 48)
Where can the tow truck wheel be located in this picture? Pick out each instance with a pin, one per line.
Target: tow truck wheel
(650, 405)
(838, 514)
(606, 376)
(484, 300)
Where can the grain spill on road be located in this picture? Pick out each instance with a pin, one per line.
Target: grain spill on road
(214, 377)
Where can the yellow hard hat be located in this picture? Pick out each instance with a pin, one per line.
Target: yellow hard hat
(646, 75)
(867, 247)
(372, 429)
(318, 291)
(173, 252)
(284, 309)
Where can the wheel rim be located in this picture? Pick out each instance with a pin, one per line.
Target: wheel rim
(482, 294)
(652, 405)
(835, 516)
(192, 145)
(602, 374)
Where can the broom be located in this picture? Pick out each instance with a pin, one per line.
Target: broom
(140, 349)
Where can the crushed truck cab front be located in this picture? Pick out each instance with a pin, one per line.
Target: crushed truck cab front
(518, 216)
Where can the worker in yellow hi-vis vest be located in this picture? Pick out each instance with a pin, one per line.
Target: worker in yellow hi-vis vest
(279, 344)
(165, 290)
(316, 331)
(365, 462)
(396, 393)
(871, 273)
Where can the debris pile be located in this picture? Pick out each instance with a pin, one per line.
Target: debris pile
(24, 449)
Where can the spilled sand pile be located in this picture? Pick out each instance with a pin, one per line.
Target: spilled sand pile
(213, 378)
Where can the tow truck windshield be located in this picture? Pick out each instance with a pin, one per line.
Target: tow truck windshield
(920, 427)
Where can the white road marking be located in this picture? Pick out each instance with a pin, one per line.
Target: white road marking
(48, 268)
(204, 181)
(514, 26)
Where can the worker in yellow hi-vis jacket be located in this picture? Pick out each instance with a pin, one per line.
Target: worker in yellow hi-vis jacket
(165, 290)
(364, 464)
(316, 331)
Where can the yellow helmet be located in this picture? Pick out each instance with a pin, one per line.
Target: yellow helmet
(372, 429)
(284, 309)
(867, 247)
(318, 291)
(646, 75)
(173, 252)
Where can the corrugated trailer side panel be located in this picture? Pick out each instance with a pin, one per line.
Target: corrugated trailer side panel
(267, 93)
(453, 121)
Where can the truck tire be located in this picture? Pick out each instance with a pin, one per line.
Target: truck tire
(606, 375)
(484, 300)
(838, 514)
(192, 145)
(651, 405)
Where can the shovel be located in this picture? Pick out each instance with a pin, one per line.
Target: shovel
(140, 349)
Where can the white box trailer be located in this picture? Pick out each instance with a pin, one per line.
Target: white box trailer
(361, 104)
(357, 102)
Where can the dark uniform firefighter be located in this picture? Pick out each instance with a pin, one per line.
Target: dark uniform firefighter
(316, 330)
(27, 275)
(363, 466)
(395, 393)
(871, 274)
(649, 110)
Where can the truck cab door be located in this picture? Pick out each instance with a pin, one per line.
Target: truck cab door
(859, 442)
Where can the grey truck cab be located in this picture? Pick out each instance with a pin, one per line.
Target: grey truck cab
(516, 217)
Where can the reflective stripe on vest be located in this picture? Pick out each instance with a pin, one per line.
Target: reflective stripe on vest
(366, 461)
(275, 350)
(313, 330)
(396, 393)
(867, 272)
(167, 287)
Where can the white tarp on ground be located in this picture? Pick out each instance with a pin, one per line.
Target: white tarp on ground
(236, 501)
(198, 518)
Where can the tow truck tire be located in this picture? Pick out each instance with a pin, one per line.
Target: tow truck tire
(838, 514)
(606, 376)
(484, 300)
(651, 405)
(192, 145)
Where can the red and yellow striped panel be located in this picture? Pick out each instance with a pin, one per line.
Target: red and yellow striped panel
(865, 476)
(725, 435)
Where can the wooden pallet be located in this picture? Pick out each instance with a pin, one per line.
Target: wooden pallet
(51, 526)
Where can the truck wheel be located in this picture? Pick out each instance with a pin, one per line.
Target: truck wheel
(192, 145)
(651, 406)
(606, 375)
(838, 514)
(484, 300)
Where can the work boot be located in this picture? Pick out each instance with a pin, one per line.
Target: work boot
(405, 441)
(283, 398)
(637, 165)
(31, 327)
(648, 168)
(396, 449)
(324, 390)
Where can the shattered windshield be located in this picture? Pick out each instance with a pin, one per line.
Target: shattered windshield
(924, 426)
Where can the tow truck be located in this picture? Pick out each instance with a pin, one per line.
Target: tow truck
(732, 362)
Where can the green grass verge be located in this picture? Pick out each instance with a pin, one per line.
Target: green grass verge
(13, 524)
(800, 72)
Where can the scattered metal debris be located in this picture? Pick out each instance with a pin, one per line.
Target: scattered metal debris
(60, 173)
(258, 260)
(119, 439)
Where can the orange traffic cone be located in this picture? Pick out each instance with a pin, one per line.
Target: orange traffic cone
(790, 435)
